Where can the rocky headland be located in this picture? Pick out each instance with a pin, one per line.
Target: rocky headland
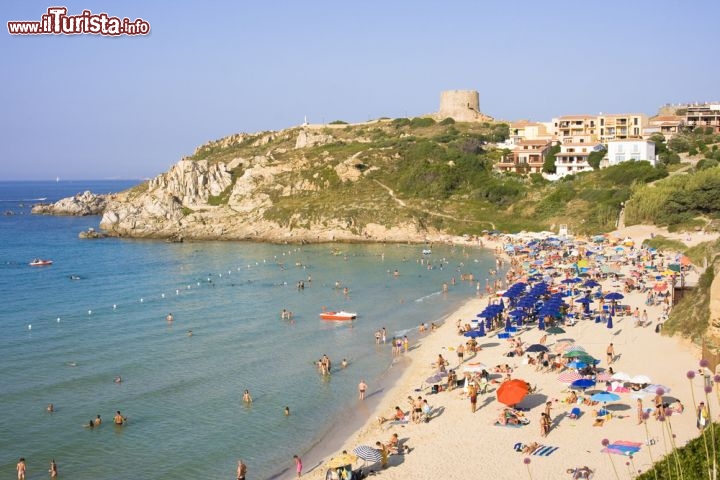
(86, 203)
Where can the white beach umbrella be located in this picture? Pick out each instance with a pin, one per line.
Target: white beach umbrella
(621, 376)
(640, 379)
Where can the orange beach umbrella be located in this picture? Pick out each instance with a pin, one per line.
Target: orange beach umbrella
(512, 391)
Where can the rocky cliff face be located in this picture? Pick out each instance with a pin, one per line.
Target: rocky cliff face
(197, 199)
(85, 203)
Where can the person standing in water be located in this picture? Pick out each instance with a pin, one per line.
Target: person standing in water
(53, 469)
(246, 397)
(298, 465)
(362, 386)
(241, 470)
(21, 468)
(119, 419)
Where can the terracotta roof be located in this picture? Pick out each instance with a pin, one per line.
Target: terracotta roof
(577, 117)
(667, 118)
(622, 115)
(533, 142)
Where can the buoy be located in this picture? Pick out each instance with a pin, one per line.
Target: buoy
(220, 275)
(114, 306)
(188, 287)
(177, 292)
(141, 300)
(29, 327)
(89, 312)
(162, 295)
(199, 282)
(58, 319)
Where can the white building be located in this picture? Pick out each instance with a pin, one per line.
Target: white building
(625, 150)
(573, 158)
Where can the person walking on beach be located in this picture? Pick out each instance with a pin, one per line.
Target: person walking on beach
(21, 467)
(703, 416)
(610, 354)
(544, 424)
(362, 386)
(53, 469)
(460, 353)
(548, 408)
(298, 465)
(473, 394)
(640, 412)
(241, 470)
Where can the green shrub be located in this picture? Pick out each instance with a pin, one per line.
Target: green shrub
(422, 122)
(447, 121)
(338, 122)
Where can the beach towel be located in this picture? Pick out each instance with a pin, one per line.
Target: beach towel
(544, 451)
(622, 447)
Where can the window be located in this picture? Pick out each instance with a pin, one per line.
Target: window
(635, 156)
(620, 157)
(620, 148)
(635, 121)
(636, 148)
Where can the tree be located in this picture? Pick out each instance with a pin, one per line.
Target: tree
(549, 165)
(595, 158)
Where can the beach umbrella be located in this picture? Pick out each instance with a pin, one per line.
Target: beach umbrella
(569, 376)
(437, 378)
(674, 267)
(367, 453)
(341, 461)
(577, 364)
(614, 296)
(590, 284)
(512, 391)
(582, 383)
(640, 379)
(621, 377)
(474, 367)
(605, 397)
(588, 359)
(473, 333)
(609, 322)
(603, 377)
(554, 330)
(654, 387)
(572, 353)
(536, 347)
(481, 329)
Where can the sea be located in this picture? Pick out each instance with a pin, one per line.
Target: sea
(99, 312)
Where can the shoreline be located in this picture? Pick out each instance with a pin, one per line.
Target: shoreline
(456, 441)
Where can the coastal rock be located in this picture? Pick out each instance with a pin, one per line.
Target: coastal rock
(86, 203)
(91, 233)
(308, 138)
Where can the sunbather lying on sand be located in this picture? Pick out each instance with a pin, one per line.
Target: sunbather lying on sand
(580, 472)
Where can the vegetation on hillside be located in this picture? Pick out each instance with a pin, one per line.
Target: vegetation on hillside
(689, 462)
(442, 172)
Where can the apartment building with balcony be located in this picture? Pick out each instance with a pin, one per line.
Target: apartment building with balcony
(703, 115)
(666, 125)
(528, 156)
(524, 130)
(573, 158)
(575, 128)
(621, 126)
(619, 151)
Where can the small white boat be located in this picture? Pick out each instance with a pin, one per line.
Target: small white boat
(38, 262)
(341, 315)
(426, 251)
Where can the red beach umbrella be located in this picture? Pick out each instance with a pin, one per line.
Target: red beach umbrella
(512, 391)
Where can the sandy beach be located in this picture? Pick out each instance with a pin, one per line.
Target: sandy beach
(456, 443)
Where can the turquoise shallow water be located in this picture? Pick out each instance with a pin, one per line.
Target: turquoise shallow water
(183, 394)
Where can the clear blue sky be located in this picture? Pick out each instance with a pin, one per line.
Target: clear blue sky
(88, 106)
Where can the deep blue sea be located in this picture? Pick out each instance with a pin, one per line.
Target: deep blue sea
(64, 341)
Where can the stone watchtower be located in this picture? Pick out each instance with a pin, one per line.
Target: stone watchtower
(461, 105)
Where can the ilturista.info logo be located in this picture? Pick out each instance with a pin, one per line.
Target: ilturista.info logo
(57, 22)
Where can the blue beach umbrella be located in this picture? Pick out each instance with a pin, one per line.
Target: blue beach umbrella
(472, 333)
(610, 322)
(583, 383)
(481, 329)
(614, 296)
(577, 364)
(541, 323)
(605, 397)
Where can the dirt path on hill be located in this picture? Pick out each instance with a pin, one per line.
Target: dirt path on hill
(434, 214)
